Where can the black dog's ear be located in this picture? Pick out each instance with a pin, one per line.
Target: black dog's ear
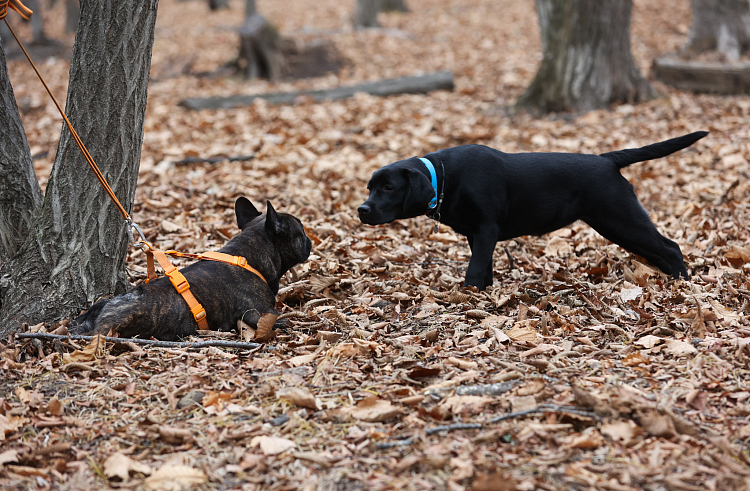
(245, 211)
(274, 224)
(419, 192)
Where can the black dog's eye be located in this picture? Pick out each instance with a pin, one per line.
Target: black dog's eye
(387, 187)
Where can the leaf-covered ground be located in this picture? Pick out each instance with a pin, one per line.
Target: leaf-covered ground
(581, 368)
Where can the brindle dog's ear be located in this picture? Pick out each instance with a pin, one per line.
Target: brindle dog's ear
(274, 223)
(245, 211)
(419, 192)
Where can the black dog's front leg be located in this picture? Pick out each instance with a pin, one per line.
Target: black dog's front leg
(479, 272)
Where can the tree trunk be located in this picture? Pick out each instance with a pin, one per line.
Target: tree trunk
(76, 250)
(587, 63)
(366, 13)
(393, 6)
(250, 9)
(20, 194)
(218, 4)
(720, 25)
(260, 49)
(72, 12)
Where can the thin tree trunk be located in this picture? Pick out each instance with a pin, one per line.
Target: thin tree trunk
(20, 193)
(366, 13)
(720, 25)
(72, 12)
(393, 6)
(77, 248)
(587, 63)
(250, 8)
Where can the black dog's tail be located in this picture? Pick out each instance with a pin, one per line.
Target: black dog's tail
(623, 158)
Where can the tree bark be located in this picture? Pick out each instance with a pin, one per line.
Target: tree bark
(260, 49)
(587, 63)
(76, 250)
(20, 193)
(393, 6)
(720, 25)
(366, 13)
(72, 12)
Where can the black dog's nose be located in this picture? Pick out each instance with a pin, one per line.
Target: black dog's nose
(364, 209)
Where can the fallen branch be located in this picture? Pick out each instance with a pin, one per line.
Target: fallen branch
(421, 84)
(149, 342)
(397, 443)
(543, 408)
(487, 389)
(213, 160)
(453, 427)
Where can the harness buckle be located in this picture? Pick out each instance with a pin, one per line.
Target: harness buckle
(182, 287)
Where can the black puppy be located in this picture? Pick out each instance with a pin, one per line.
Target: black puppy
(271, 243)
(488, 195)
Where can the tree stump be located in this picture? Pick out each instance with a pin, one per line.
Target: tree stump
(393, 6)
(260, 49)
(366, 13)
(720, 25)
(587, 62)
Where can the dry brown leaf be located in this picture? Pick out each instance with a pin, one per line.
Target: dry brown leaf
(300, 396)
(649, 341)
(10, 424)
(590, 438)
(9, 456)
(557, 246)
(265, 326)
(372, 409)
(679, 348)
(92, 351)
(494, 481)
(657, 424)
(120, 465)
(531, 387)
(175, 477)
(722, 311)
(462, 364)
(522, 334)
(464, 405)
(621, 431)
(634, 359)
(272, 445)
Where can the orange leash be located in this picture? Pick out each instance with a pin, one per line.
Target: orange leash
(178, 280)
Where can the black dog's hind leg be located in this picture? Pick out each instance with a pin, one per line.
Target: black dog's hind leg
(480, 272)
(630, 227)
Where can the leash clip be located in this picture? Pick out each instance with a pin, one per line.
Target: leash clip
(132, 225)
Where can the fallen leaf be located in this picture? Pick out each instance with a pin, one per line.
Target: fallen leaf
(272, 445)
(557, 246)
(628, 294)
(621, 431)
(120, 465)
(175, 477)
(372, 409)
(649, 341)
(634, 359)
(678, 348)
(657, 424)
(301, 397)
(8, 456)
(265, 326)
(590, 438)
(10, 424)
(92, 351)
(523, 334)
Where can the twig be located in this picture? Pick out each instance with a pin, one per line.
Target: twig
(541, 408)
(213, 160)
(150, 342)
(510, 258)
(453, 427)
(397, 443)
(486, 389)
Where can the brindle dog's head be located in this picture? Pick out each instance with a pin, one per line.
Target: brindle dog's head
(286, 232)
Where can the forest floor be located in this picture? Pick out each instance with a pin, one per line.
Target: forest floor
(581, 368)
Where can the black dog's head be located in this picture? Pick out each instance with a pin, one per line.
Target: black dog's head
(398, 190)
(285, 231)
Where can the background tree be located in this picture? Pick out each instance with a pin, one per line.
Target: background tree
(587, 63)
(720, 25)
(260, 46)
(75, 248)
(366, 13)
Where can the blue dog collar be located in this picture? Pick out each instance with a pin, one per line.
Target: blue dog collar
(433, 177)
